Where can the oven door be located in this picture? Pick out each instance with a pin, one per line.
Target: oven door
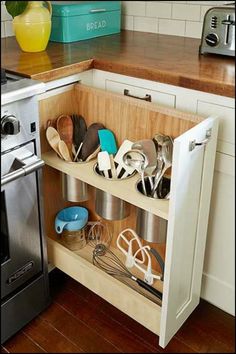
(21, 246)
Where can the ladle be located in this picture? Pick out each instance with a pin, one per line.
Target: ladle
(139, 161)
(166, 151)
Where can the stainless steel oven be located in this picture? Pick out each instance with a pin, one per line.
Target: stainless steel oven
(24, 278)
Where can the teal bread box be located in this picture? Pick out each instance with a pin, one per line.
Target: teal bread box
(78, 20)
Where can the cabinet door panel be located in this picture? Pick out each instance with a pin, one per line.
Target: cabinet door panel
(192, 173)
(156, 96)
(226, 136)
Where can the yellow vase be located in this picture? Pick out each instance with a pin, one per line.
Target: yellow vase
(33, 27)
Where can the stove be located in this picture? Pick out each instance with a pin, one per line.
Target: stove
(24, 278)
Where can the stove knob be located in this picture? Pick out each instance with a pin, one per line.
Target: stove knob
(10, 125)
(212, 39)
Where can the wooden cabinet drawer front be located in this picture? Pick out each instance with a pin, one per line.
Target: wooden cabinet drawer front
(156, 96)
(226, 135)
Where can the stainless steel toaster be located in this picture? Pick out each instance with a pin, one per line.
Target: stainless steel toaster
(218, 32)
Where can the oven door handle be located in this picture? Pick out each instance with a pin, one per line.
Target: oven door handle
(23, 171)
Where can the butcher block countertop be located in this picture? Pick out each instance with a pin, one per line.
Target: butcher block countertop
(168, 59)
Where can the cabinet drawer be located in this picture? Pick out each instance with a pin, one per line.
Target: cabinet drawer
(186, 211)
(226, 115)
(156, 96)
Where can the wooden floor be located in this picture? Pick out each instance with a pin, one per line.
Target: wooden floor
(79, 321)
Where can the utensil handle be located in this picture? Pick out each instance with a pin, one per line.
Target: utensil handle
(149, 288)
(143, 183)
(157, 180)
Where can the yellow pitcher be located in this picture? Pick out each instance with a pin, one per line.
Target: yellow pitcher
(33, 27)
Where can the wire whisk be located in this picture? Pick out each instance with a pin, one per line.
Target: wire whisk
(99, 233)
(106, 260)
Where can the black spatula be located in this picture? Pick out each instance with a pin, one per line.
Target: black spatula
(79, 130)
(91, 140)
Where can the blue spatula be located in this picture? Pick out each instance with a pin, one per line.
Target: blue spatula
(107, 141)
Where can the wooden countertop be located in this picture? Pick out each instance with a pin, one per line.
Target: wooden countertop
(167, 59)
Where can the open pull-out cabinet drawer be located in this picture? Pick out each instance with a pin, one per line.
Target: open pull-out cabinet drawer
(186, 211)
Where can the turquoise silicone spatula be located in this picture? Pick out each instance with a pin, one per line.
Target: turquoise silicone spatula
(107, 141)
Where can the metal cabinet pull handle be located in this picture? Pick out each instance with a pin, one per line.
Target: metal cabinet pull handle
(23, 171)
(193, 143)
(146, 98)
(97, 10)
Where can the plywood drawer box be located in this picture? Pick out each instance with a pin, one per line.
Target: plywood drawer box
(186, 212)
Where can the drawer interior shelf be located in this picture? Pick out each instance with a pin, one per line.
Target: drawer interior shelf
(123, 189)
(131, 299)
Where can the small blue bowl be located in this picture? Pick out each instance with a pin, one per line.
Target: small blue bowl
(71, 219)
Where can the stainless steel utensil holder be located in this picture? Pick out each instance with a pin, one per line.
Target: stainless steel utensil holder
(73, 189)
(109, 207)
(150, 227)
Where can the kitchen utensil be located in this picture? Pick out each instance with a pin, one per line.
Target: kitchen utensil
(147, 146)
(138, 160)
(163, 187)
(65, 129)
(77, 152)
(106, 260)
(118, 158)
(149, 276)
(71, 219)
(167, 150)
(104, 163)
(94, 154)
(107, 141)
(128, 237)
(98, 233)
(113, 167)
(91, 140)
(64, 151)
(79, 130)
(53, 138)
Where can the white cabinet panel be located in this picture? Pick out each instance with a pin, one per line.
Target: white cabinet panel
(219, 267)
(156, 96)
(226, 136)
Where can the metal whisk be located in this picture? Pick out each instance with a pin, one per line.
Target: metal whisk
(99, 233)
(106, 260)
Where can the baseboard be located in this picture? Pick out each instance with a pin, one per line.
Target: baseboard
(218, 293)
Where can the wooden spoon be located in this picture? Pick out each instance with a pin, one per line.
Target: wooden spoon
(64, 151)
(53, 138)
(65, 129)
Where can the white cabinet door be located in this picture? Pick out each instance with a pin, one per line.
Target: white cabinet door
(226, 136)
(192, 174)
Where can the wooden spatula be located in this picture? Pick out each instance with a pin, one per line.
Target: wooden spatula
(53, 139)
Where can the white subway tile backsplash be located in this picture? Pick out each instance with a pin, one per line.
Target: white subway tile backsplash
(186, 12)
(9, 29)
(182, 18)
(193, 29)
(172, 27)
(146, 24)
(5, 16)
(134, 8)
(127, 22)
(3, 30)
(158, 9)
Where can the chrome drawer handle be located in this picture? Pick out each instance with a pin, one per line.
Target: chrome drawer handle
(193, 143)
(146, 98)
(97, 10)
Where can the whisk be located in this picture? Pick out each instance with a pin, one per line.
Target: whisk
(106, 260)
(99, 233)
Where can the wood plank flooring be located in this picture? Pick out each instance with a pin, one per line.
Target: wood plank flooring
(78, 321)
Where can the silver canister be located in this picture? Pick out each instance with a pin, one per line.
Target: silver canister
(109, 207)
(73, 189)
(150, 227)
